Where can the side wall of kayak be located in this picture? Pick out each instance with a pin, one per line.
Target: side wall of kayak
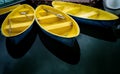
(99, 23)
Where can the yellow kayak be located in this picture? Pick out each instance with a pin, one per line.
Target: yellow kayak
(8, 9)
(18, 21)
(56, 22)
(87, 15)
(83, 11)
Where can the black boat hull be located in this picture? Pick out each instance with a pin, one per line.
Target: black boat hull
(99, 23)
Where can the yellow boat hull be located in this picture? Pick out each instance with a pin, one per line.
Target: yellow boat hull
(8, 9)
(18, 21)
(55, 22)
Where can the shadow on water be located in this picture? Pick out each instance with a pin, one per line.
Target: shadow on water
(68, 54)
(106, 34)
(18, 50)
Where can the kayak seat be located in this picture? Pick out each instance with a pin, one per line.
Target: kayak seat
(72, 10)
(42, 13)
(23, 10)
(16, 28)
(91, 14)
(59, 7)
(22, 18)
(48, 19)
(59, 28)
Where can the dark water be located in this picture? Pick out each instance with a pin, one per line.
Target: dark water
(98, 56)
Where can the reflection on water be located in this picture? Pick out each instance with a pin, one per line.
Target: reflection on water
(69, 54)
(20, 49)
(106, 34)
